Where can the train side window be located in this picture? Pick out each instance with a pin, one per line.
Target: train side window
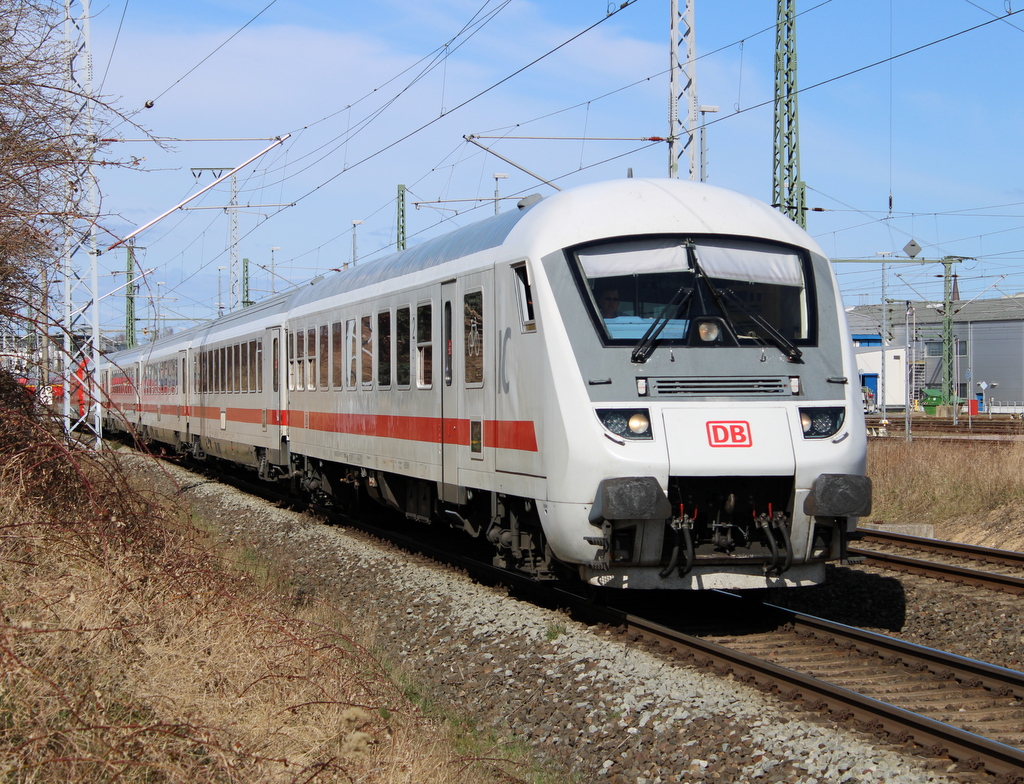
(403, 338)
(300, 359)
(275, 351)
(244, 348)
(325, 356)
(337, 364)
(258, 350)
(384, 348)
(311, 358)
(525, 297)
(254, 374)
(230, 369)
(236, 364)
(223, 352)
(447, 343)
(424, 347)
(473, 337)
(367, 351)
(352, 341)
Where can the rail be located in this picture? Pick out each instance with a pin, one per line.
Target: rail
(965, 575)
(937, 737)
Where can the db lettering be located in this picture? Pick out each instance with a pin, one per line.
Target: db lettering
(725, 434)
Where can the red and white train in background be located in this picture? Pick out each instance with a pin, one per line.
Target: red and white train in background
(648, 383)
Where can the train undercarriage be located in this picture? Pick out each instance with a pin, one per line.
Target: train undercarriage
(704, 525)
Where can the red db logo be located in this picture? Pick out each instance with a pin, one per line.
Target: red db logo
(729, 434)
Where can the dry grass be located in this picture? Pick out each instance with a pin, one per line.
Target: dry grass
(971, 492)
(130, 652)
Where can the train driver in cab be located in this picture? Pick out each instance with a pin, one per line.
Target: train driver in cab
(608, 303)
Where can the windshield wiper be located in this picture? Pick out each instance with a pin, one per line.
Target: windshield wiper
(642, 350)
(769, 332)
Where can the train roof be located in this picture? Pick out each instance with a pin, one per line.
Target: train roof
(652, 206)
(538, 226)
(480, 236)
(599, 210)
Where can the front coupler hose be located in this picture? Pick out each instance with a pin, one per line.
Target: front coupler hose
(780, 523)
(765, 524)
(684, 525)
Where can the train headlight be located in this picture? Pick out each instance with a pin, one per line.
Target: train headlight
(639, 423)
(626, 423)
(821, 422)
(709, 331)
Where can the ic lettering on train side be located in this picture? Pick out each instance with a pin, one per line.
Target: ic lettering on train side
(729, 434)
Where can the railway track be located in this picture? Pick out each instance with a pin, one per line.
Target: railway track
(983, 567)
(945, 705)
(999, 429)
(948, 705)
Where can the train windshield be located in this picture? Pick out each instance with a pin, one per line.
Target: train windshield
(657, 289)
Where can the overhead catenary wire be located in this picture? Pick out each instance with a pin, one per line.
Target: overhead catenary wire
(467, 101)
(216, 49)
(448, 112)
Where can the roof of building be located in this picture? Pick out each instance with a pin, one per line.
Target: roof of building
(865, 319)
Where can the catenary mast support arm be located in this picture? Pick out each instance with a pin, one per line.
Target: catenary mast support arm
(279, 140)
(472, 140)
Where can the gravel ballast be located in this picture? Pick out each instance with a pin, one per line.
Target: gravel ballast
(585, 702)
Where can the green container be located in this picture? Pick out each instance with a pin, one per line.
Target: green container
(931, 399)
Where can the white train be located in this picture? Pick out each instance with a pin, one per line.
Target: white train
(647, 383)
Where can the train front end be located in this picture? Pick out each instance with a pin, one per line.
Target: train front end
(721, 444)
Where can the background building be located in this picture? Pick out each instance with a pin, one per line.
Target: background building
(988, 356)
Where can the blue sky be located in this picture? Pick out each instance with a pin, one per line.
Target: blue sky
(372, 101)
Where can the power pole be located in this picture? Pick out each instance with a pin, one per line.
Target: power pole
(682, 35)
(233, 274)
(400, 221)
(246, 302)
(129, 298)
(948, 376)
(232, 210)
(235, 295)
(82, 358)
(789, 194)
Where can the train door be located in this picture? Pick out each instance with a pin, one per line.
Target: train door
(449, 398)
(467, 396)
(275, 386)
(184, 395)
